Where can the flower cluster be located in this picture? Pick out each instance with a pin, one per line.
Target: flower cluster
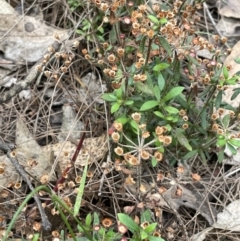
(134, 153)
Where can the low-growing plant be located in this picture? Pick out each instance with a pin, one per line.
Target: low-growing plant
(165, 101)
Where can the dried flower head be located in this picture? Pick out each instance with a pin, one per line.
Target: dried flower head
(180, 169)
(87, 56)
(136, 116)
(220, 131)
(141, 60)
(158, 155)
(17, 185)
(161, 138)
(182, 112)
(111, 58)
(145, 155)
(160, 176)
(122, 228)
(118, 126)
(162, 189)
(55, 233)
(138, 65)
(150, 33)
(185, 126)
(220, 111)
(232, 113)
(136, 77)
(215, 127)
(129, 180)
(115, 136)
(136, 25)
(107, 222)
(37, 226)
(120, 52)
(44, 179)
(167, 140)
(179, 192)
(214, 116)
(224, 40)
(143, 77)
(119, 150)
(144, 224)
(196, 177)
(145, 134)
(132, 160)
(112, 73)
(78, 179)
(156, 7)
(159, 130)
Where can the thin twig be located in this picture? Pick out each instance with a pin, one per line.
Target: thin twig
(8, 149)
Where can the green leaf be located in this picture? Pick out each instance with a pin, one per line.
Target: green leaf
(231, 81)
(128, 102)
(163, 21)
(225, 121)
(159, 114)
(144, 88)
(203, 157)
(234, 142)
(146, 216)
(109, 97)
(171, 110)
(149, 105)
(157, 92)
(122, 119)
(78, 201)
(218, 99)
(96, 220)
(119, 93)
(221, 142)
(231, 148)
(154, 162)
(128, 222)
(149, 79)
(181, 99)
(190, 154)
(88, 220)
(115, 107)
(112, 36)
(160, 67)
(173, 93)
(225, 72)
(153, 238)
(143, 235)
(235, 94)
(165, 45)
(134, 124)
(150, 228)
(204, 119)
(153, 19)
(182, 139)
(36, 237)
(161, 81)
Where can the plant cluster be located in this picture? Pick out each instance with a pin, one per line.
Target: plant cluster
(166, 101)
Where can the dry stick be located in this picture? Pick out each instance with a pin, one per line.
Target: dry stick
(8, 149)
